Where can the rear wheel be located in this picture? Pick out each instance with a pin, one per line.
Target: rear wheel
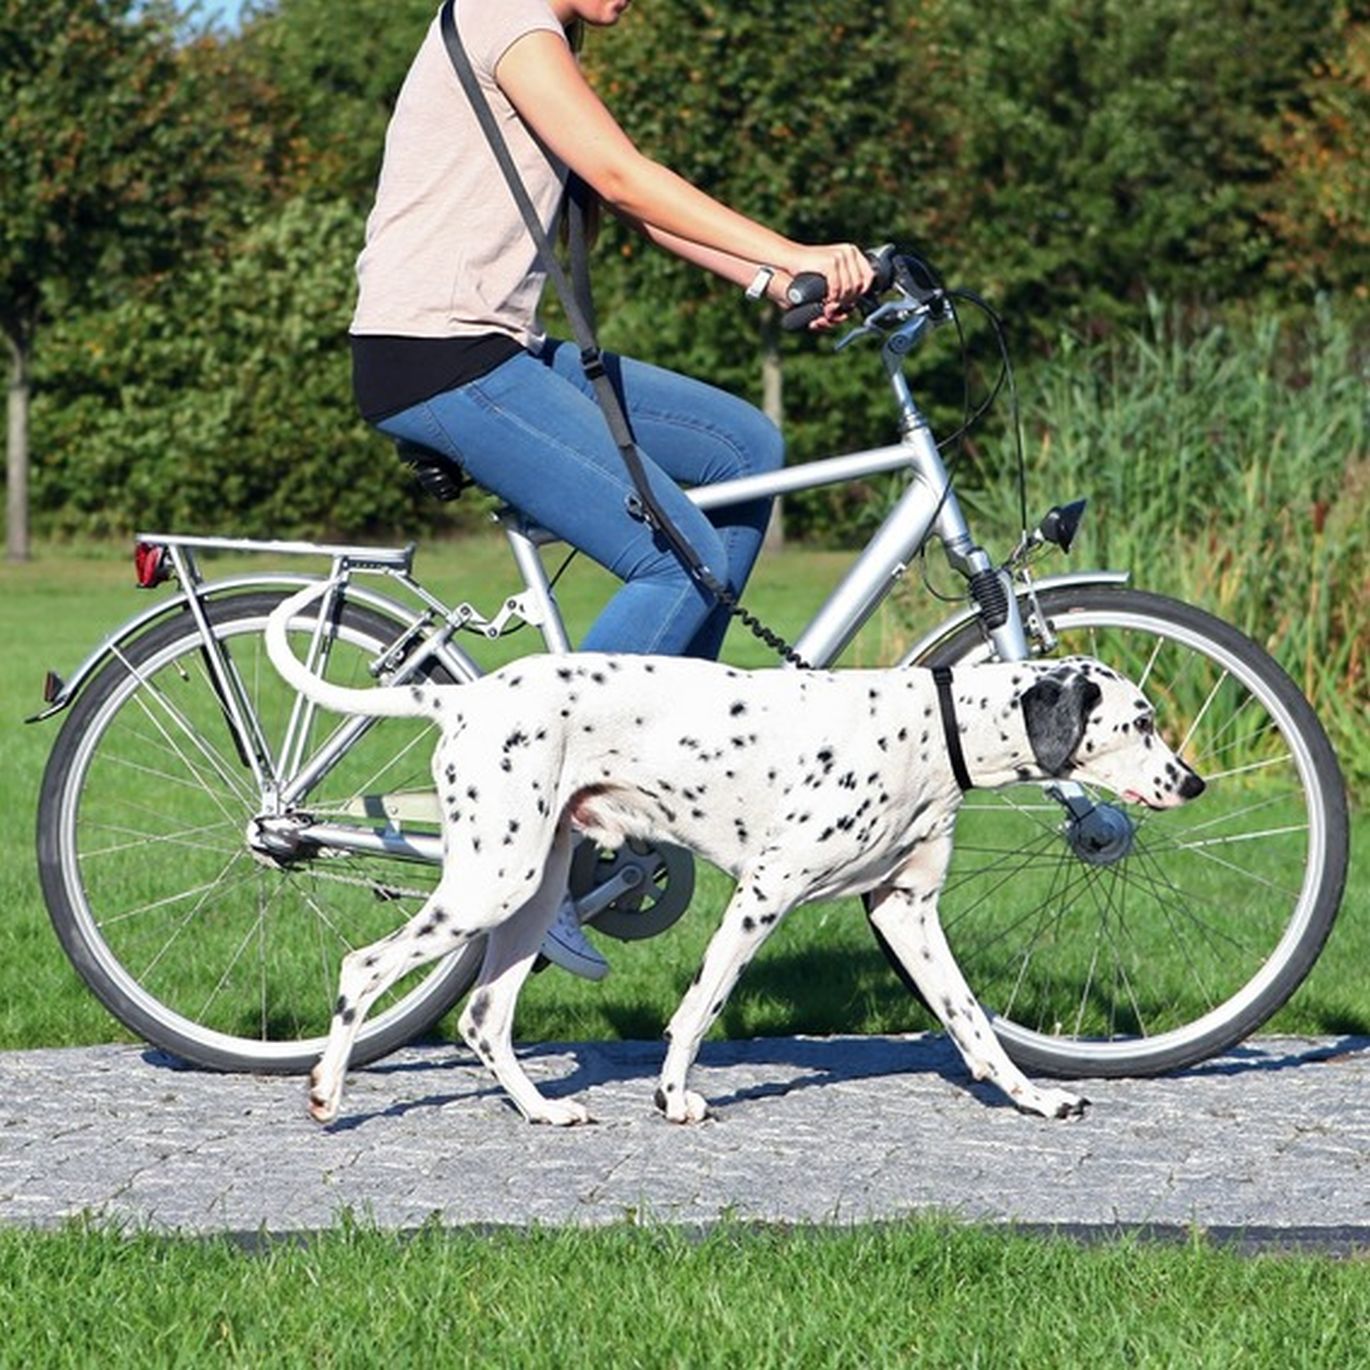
(1192, 928)
(205, 924)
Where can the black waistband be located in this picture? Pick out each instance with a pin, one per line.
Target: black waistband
(389, 373)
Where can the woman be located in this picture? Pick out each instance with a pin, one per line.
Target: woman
(447, 351)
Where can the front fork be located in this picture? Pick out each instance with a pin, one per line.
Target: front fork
(1098, 833)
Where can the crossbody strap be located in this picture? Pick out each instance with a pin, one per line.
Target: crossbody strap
(579, 313)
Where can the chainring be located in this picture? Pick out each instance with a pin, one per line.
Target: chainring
(663, 886)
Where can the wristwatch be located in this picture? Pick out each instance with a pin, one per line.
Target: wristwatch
(760, 282)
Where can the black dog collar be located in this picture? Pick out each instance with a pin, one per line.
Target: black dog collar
(941, 676)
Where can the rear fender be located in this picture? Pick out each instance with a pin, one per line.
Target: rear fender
(59, 693)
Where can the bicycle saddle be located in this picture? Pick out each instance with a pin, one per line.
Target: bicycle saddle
(439, 475)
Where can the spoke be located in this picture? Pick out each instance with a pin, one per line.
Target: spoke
(1150, 663)
(1157, 824)
(1043, 920)
(1181, 845)
(185, 922)
(1103, 903)
(1285, 758)
(1016, 862)
(254, 930)
(1153, 877)
(373, 782)
(197, 892)
(194, 839)
(1201, 850)
(196, 782)
(217, 763)
(1203, 709)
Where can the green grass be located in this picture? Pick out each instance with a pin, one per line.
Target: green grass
(55, 607)
(913, 1293)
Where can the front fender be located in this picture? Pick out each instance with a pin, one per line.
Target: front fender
(930, 641)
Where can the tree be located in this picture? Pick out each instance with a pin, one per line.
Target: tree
(1107, 149)
(1320, 200)
(814, 120)
(116, 143)
(337, 69)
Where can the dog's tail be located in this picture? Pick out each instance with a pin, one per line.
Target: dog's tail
(385, 701)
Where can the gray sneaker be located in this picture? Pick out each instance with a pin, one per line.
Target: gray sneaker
(566, 945)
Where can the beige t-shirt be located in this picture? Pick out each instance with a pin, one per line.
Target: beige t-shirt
(447, 253)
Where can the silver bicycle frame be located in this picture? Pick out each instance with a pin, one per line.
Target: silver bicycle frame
(927, 507)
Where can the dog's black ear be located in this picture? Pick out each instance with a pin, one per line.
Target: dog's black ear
(1055, 710)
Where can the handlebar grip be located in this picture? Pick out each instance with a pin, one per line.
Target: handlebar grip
(799, 318)
(806, 293)
(809, 287)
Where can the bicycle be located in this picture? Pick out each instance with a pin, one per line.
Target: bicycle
(209, 847)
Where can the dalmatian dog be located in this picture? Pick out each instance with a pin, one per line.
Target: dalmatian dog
(803, 785)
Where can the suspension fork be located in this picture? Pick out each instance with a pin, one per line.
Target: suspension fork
(991, 588)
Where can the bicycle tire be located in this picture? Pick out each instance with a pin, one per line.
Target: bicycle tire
(1210, 922)
(222, 958)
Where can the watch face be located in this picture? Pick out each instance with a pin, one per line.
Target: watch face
(759, 282)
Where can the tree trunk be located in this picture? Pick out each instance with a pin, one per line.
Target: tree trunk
(773, 406)
(17, 454)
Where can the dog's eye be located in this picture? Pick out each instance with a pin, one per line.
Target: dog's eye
(1145, 725)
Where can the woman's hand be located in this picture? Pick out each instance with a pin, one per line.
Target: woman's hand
(835, 312)
(845, 268)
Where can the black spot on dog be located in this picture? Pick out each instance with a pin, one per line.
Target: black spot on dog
(737, 709)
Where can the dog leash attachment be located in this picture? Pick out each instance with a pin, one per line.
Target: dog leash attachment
(946, 704)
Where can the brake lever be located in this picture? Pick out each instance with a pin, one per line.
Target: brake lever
(894, 310)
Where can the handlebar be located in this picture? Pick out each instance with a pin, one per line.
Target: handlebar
(893, 269)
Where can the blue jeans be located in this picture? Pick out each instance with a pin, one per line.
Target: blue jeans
(531, 432)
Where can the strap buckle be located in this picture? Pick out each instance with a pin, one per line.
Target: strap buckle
(592, 363)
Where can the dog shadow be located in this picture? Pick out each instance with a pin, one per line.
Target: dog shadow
(803, 1062)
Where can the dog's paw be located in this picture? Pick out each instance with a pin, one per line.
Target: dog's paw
(1052, 1103)
(560, 1113)
(682, 1106)
(324, 1102)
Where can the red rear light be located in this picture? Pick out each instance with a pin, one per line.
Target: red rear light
(151, 564)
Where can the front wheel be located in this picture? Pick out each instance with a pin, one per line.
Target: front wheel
(1201, 921)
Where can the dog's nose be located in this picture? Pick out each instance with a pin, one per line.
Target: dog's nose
(1192, 786)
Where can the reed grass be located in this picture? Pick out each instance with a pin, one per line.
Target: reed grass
(1229, 468)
